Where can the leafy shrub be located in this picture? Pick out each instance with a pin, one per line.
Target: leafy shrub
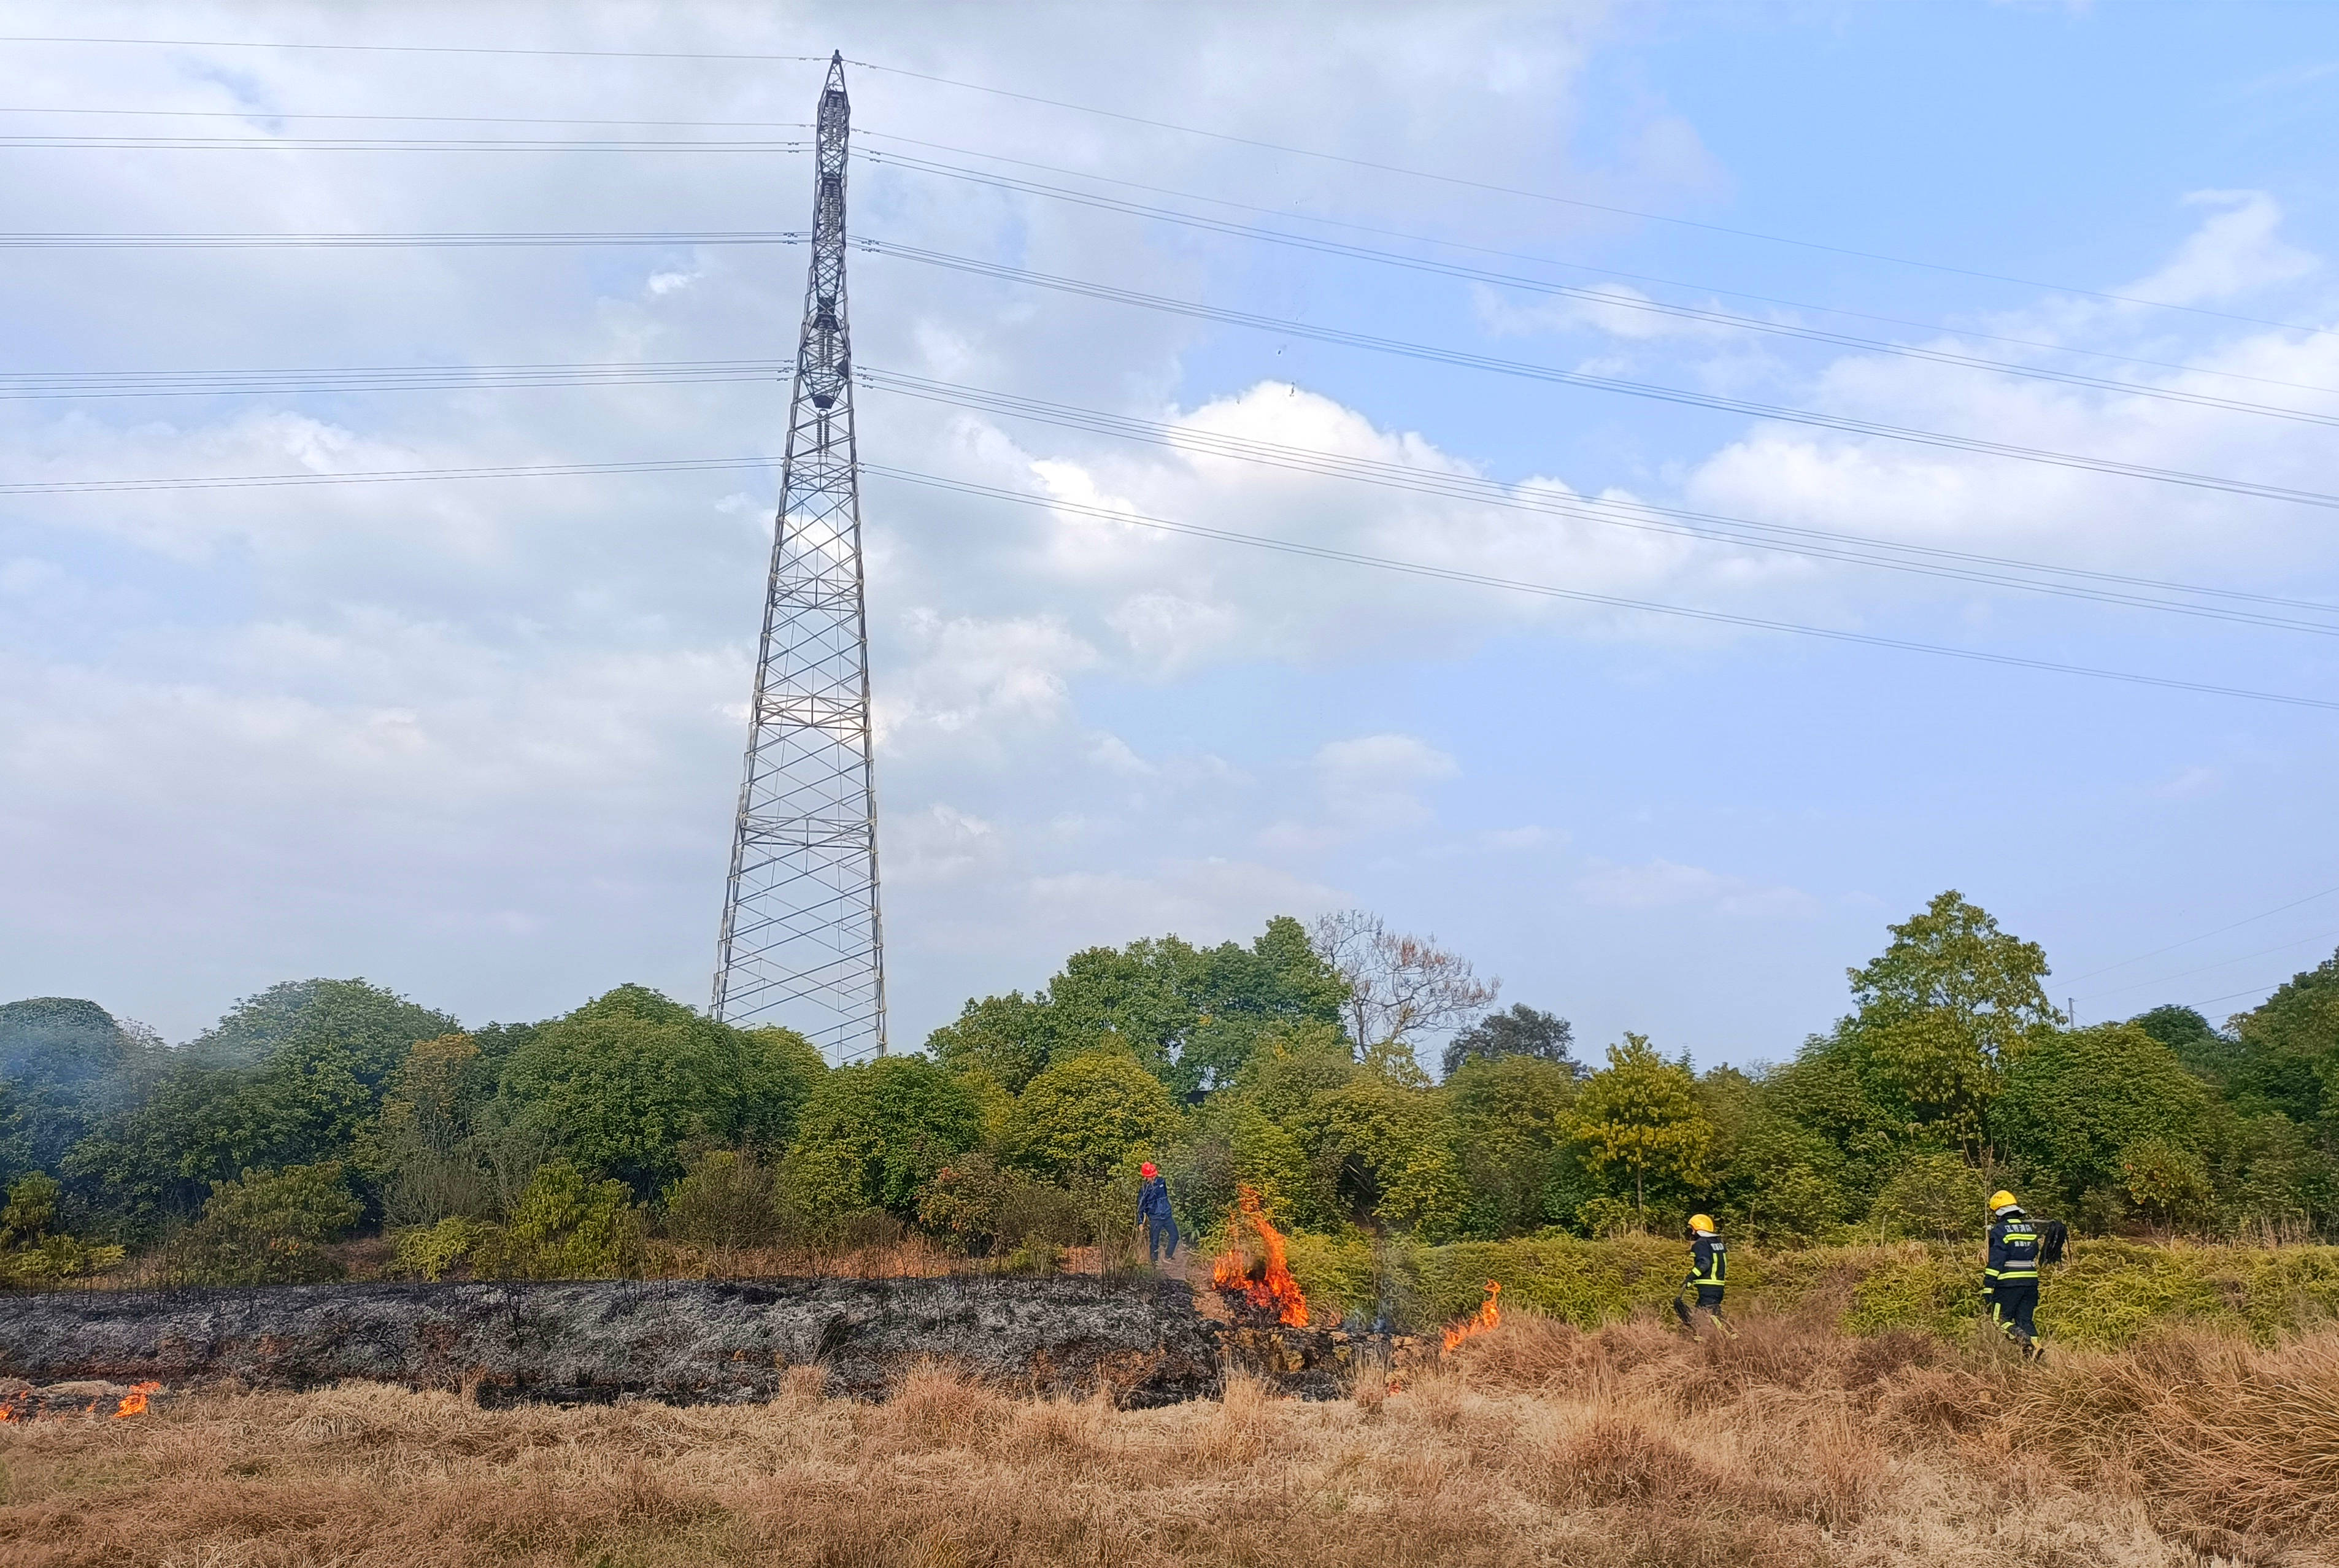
(727, 1199)
(2167, 1180)
(433, 1251)
(1932, 1197)
(873, 1136)
(31, 1253)
(984, 1209)
(1087, 1114)
(269, 1229)
(1924, 1289)
(568, 1228)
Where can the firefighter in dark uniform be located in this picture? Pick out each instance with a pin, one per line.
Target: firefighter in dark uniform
(2009, 1274)
(1708, 1270)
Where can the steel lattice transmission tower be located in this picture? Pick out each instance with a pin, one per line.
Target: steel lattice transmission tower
(800, 941)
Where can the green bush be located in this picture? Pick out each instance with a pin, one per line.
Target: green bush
(726, 1200)
(983, 1209)
(568, 1228)
(1086, 1115)
(1931, 1197)
(873, 1136)
(270, 1228)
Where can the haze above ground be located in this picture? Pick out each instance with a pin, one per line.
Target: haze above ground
(479, 740)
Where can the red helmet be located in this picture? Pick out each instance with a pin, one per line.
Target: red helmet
(1147, 1169)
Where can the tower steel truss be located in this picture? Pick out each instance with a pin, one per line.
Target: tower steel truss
(802, 943)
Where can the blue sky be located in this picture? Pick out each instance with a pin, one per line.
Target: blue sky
(479, 740)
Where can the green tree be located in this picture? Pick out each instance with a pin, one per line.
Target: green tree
(2167, 1180)
(270, 1227)
(1932, 1197)
(873, 1136)
(627, 1080)
(1190, 1016)
(568, 1227)
(2198, 1043)
(1639, 1117)
(368, 1025)
(64, 1064)
(1087, 1114)
(2080, 1097)
(1511, 1128)
(1949, 1006)
(1522, 1030)
(1391, 1152)
(2287, 1055)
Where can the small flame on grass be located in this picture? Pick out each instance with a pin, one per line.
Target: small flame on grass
(135, 1402)
(1487, 1315)
(1265, 1284)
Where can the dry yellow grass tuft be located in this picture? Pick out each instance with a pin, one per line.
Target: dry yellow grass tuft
(1535, 1443)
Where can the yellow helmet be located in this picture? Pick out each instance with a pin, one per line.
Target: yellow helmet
(1703, 1223)
(1998, 1201)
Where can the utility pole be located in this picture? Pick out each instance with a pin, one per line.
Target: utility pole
(802, 944)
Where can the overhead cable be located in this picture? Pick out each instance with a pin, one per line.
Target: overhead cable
(25, 385)
(1456, 180)
(1466, 360)
(1448, 243)
(2206, 968)
(2172, 947)
(376, 476)
(1571, 201)
(391, 144)
(249, 114)
(1606, 299)
(94, 242)
(1644, 517)
(1288, 546)
(414, 48)
(1546, 590)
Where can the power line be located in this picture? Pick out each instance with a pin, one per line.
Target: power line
(381, 476)
(94, 242)
(433, 119)
(1806, 543)
(1196, 131)
(385, 144)
(2204, 969)
(2189, 941)
(1682, 396)
(1288, 546)
(1545, 590)
(1576, 201)
(2253, 991)
(1451, 244)
(419, 48)
(1609, 300)
(1810, 543)
(25, 385)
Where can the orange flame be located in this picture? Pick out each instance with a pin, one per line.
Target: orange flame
(1265, 1284)
(135, 1402)
(1487, 1315)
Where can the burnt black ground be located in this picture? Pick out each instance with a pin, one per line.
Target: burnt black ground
(679, 1341)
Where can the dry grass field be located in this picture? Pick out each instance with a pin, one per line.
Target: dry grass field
(1537, 1444)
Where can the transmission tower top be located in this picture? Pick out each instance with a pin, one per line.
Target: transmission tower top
(802, 943)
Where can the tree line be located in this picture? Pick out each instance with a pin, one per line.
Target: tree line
(1291, 1065)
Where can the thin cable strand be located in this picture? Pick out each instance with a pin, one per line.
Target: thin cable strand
(1466, 360)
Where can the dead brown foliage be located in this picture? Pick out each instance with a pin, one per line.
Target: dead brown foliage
(1536, 1444)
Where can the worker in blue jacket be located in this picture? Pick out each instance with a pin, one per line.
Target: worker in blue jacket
(1153, 1209)
(2009, 1273)
(1709, 1270)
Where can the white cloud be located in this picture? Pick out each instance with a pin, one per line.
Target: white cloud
(2236, 249)
(1664, 884)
